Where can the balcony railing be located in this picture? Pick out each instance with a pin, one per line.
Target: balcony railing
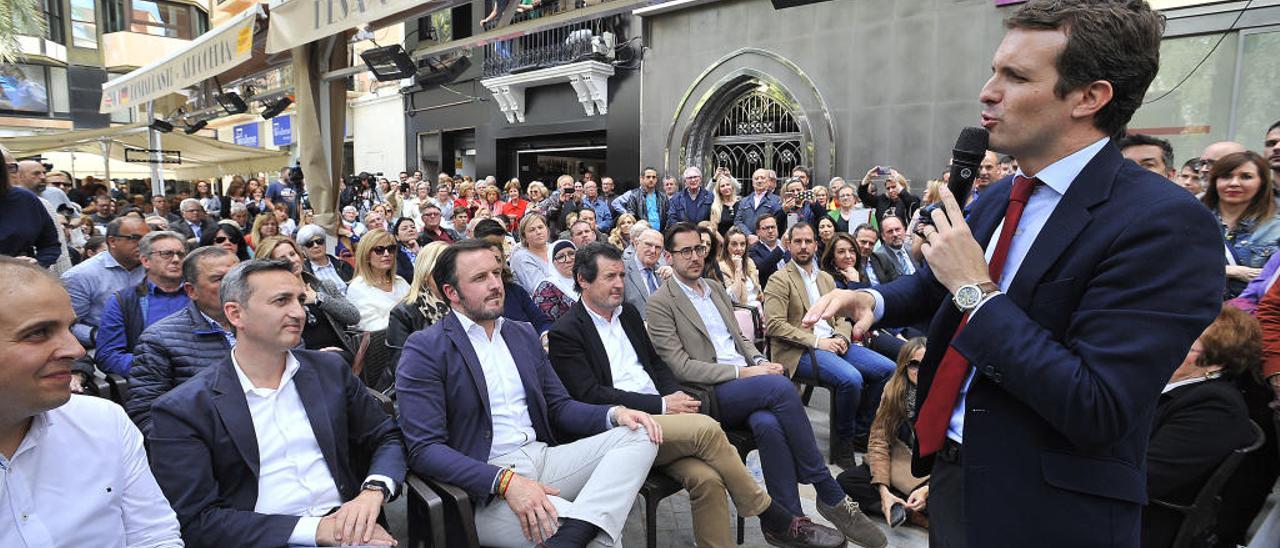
(588, 40)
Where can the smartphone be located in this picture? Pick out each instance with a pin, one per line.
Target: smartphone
(898, 514)
(883, 170)
(806, 195)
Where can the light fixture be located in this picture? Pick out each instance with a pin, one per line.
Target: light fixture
(197, 126)
(232, 103)
(161, 126)
(274, 109)
(441, 71)
(389, 63)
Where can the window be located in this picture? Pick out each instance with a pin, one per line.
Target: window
(52, 10)
(33, 89)
(84, 24)
(162, 19)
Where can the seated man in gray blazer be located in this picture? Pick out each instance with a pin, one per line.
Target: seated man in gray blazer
(644, 272)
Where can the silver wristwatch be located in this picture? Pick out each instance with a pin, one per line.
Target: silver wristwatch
(968, 296)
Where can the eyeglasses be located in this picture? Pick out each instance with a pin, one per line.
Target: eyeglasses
(221, 240)
(130, 237)
(564, 258)
(60, 184)
(12, 167)
(170, 254)
(699, 250)
(383, 249)
(431, 214)
(192, 210)
(913, 364)
(313, 243)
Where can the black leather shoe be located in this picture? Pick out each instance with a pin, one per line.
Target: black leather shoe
(804, 532)
(844, 455)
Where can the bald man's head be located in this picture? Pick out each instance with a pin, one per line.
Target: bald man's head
(1215, 151)
(31, 176)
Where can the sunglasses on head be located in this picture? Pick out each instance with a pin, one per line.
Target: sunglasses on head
(383, 249)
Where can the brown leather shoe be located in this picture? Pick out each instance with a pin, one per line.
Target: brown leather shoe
(804, 532)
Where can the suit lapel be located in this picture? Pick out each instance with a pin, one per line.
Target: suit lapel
(233, 409)
(685, 306)
(1067, 221)
(527, 367)
(597, 355)
(456, 334)
(313, 402)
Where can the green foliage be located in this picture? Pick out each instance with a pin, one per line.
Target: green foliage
(18, 17)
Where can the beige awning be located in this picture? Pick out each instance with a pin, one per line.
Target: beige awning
(211, 54)
(202, 157)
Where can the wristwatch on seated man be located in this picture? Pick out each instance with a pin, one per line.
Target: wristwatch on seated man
(378, 485)
(969, 296)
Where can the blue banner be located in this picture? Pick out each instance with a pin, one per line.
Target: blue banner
(246, 135)
(282, 130)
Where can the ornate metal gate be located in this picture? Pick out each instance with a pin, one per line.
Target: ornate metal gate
(757, 131)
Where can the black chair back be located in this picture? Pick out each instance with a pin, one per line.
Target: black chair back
(1200, 517)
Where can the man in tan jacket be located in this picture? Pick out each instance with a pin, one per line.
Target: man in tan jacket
(691, 324)
(855, 374)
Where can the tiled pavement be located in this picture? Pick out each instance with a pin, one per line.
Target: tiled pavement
(675, 524)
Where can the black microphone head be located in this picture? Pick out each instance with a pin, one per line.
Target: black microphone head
(971, 145)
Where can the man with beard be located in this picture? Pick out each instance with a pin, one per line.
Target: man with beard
(1271, 151)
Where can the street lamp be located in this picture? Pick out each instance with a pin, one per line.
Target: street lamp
(389, 63)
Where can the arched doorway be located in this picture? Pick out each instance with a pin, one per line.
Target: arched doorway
(748, 124)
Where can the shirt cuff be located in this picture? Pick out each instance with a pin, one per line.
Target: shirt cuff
(609, 421)
(304, 532)
(879, 308)
(385, 481)
(982, 302)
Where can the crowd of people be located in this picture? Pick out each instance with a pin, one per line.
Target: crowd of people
(548, 348)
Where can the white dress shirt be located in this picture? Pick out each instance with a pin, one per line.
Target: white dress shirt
(822, 329)
(80, 478)
(1057, 178)
(375, 304)
(512, 426)
(293, 477)
(624, 363)
(721, 338)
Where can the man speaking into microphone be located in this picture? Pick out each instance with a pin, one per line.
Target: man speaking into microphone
(1060, 309)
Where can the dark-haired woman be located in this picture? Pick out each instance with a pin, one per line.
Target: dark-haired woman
(229, 237)
(406, 232)
(1240, 194)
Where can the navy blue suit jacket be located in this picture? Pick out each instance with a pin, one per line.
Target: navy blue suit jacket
(444, 403)
(204, 452)
(1070, 361)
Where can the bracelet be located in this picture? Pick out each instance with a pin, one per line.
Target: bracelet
(504, 481)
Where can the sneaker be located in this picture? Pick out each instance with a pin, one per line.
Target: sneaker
(804, 532)
(856, 526)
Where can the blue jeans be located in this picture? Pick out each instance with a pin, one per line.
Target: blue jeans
(770, 407)
(856, 380)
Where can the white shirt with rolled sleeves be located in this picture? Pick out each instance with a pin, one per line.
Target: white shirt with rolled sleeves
(80, 477)
(1056, 179)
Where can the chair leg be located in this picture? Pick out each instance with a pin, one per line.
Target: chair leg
(742, 533)
(831, 430)
(651, 522)
(808, 393)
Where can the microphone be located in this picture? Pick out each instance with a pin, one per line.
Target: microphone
(970, 149)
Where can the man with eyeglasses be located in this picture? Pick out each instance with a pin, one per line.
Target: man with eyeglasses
(766, 252)
(694, 204)
(93, 282)
(132, 310)
(692, 326)
(194, 221)
(1213, 152)
(644, 273)
(432, 215)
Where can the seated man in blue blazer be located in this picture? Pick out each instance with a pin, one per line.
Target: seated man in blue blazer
(257, 450)
(483, 409)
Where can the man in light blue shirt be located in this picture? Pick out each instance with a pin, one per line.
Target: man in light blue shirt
(92, 282)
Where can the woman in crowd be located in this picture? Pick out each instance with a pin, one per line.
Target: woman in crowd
(530, 261)
(235, 194)
(884, 484)
(286, 224)
(265, 226)
(556, 293)
(375, 220)
(1240, 194)
(822, 197)
(329, 314)
(538, 197)
(376, 288)
(850, 212)
(741, 278)
(406, 232)
(413, 204)
(516, 206)
(826, 231)
(620, 237)
(422, 306)
(932, 195)
(212, 205)
(842, 261)
(467, 198)
(1200, 419)
(228, 237)
(351, 222)
(319, 262)
(723, 203)
(257, 203)
(711, 261)
(493, 200)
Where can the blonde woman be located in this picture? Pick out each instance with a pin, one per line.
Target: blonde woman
(620, 237)
(724, 203)
(329, 314)
(264, 226)
(531, 260)
(422, 306)
(376, 289)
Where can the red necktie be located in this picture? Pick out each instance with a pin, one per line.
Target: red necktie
(935, 414)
